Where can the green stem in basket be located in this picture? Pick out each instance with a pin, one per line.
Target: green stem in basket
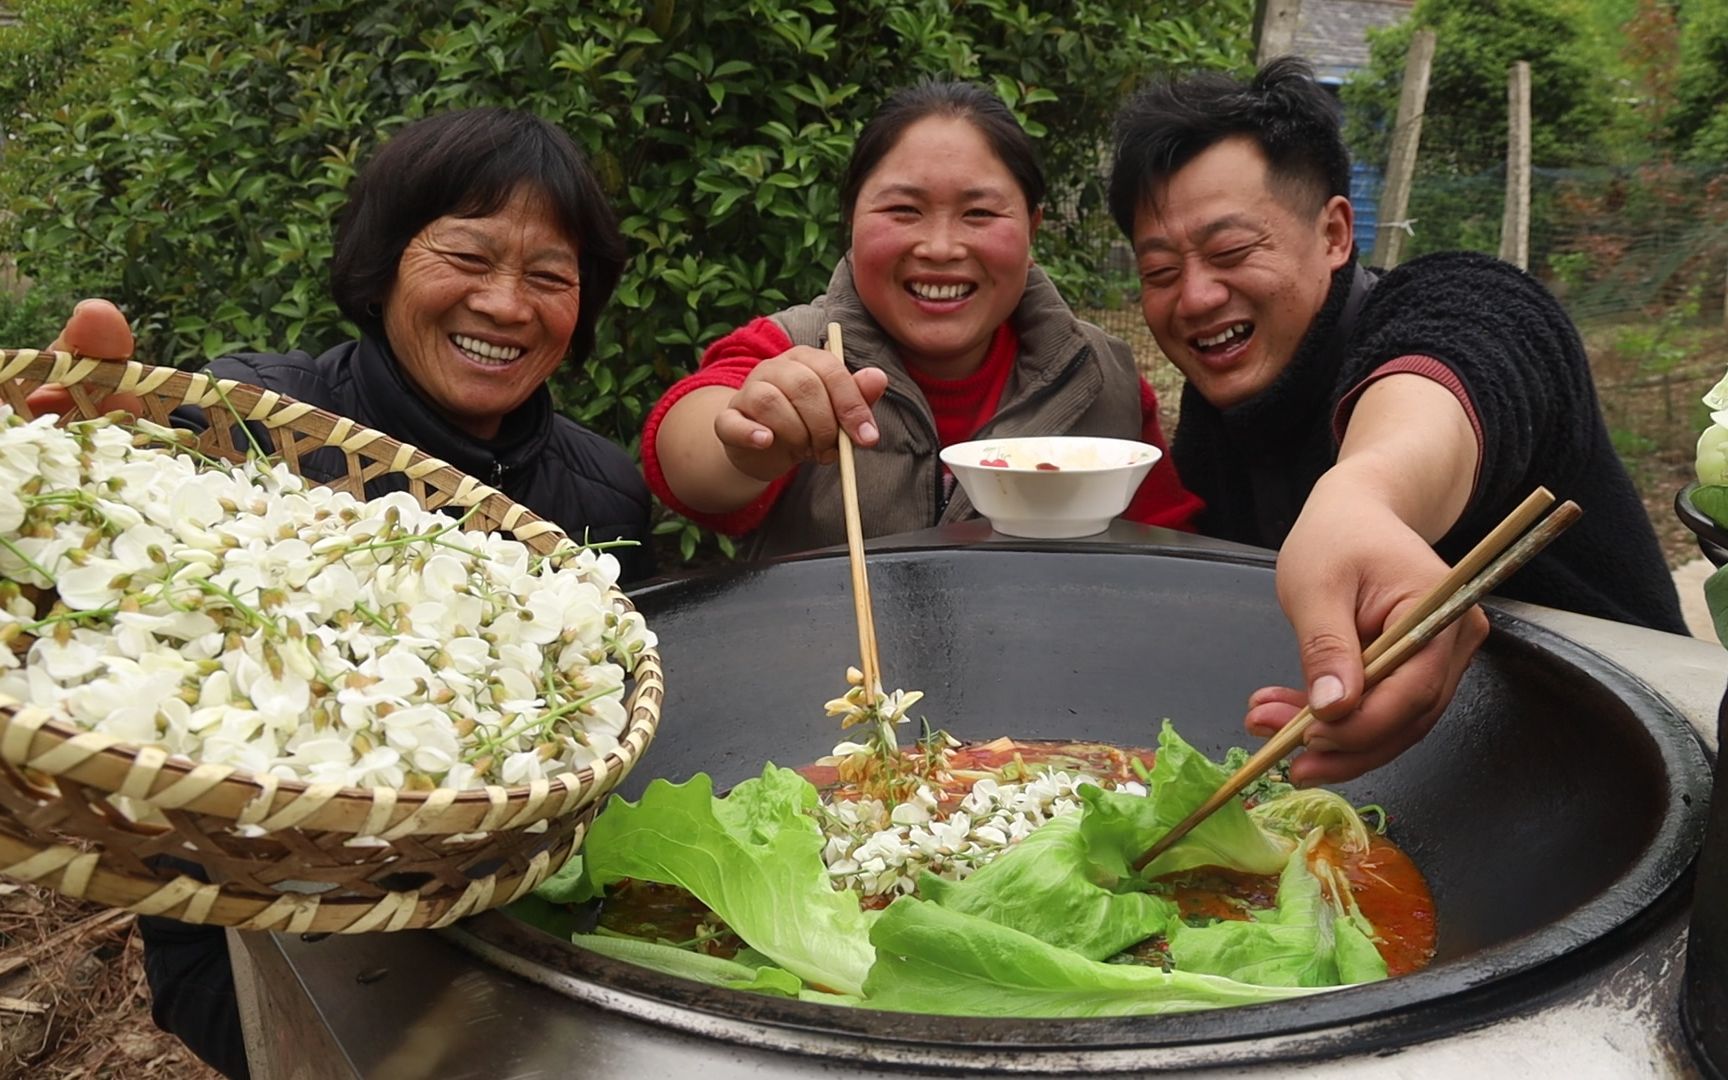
(544, 724)
(607, 545)
(94, 614)
(26, 560)
(374, 618)
(255, 451)
(251, 614)
(176, 440)
(549, 682)
(81, 499)
(433, 539)
(537, 727)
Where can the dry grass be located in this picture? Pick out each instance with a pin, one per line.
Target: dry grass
(73, 1001)
(1655, 416)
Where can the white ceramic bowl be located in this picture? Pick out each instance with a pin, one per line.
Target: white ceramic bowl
(1050, 487)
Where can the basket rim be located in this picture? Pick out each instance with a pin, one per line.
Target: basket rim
(84, 875)
(435, 811)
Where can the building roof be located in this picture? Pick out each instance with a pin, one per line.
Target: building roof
(1333, 34)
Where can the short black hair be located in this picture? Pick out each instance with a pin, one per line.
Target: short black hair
(947, 98)
(1284, 110)
(468, 163)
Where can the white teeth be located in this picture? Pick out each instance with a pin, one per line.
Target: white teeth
(1221, 338)
(939, 292)
(481, 350)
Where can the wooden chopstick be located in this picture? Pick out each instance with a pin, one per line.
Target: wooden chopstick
(861, 607)
(1474, 562)
(1487, 565)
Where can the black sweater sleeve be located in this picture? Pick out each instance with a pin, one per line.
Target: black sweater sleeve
(1510, 344)
(1524, 367)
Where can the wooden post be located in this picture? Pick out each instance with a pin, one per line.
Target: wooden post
(1401, 168)
(1275, 23)
(1515, 222)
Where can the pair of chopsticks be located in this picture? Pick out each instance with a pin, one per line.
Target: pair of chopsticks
(869, 662)
(1512, 544)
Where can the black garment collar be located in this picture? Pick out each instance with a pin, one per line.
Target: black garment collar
(387, 391)
(1271, 421)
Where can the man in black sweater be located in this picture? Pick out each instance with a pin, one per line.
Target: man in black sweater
(1373, 427)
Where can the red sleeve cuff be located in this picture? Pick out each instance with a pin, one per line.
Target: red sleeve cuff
(1428, 368)
(1161, 499)
(728, 362)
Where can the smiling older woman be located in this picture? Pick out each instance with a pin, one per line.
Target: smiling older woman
(475, 254)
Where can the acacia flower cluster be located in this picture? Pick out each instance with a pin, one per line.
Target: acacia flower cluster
(881, 714)
(881, 850)
(237, 615)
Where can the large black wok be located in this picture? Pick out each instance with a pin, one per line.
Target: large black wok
(1557, 803)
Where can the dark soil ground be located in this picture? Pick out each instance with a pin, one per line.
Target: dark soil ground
(73, 1003)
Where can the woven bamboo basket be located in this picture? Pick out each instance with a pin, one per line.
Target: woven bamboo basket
(438, 856)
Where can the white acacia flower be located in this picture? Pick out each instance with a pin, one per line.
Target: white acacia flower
(240, 616)
(282, 698)
(68, 660)
(606, 716)
(96, 584)
(11, 508)
(520, 768)
(468, 655)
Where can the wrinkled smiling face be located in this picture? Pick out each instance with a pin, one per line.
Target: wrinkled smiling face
(1232, 273)
(482, 310)
(941, 245)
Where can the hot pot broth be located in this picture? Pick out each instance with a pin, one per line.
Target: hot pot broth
(883, 828)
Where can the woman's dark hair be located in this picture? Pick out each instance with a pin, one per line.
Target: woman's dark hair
(469, 163)
(1169, 123)
(944, 98)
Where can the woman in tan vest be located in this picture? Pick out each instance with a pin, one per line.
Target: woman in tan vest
(951, 333)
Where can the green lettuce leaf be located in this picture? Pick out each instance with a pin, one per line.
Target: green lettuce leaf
(1711, 500)
(1050, 886)
(568, 886)
(755, 858)
(554, 918)
(1716, 599)
(931, 959)
(713, 970)
(1295, 814)
(1304, 941)
(1182, 778)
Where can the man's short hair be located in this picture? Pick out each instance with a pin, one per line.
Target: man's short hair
(1290, 116)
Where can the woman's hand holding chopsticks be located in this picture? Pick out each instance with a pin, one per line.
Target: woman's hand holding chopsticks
(729, 445)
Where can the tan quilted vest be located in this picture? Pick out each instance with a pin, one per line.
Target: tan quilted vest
(1070, 378)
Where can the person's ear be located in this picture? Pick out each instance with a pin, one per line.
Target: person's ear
(1035, 220)
(1338, 227)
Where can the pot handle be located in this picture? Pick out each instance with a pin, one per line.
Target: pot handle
(1704, 999)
